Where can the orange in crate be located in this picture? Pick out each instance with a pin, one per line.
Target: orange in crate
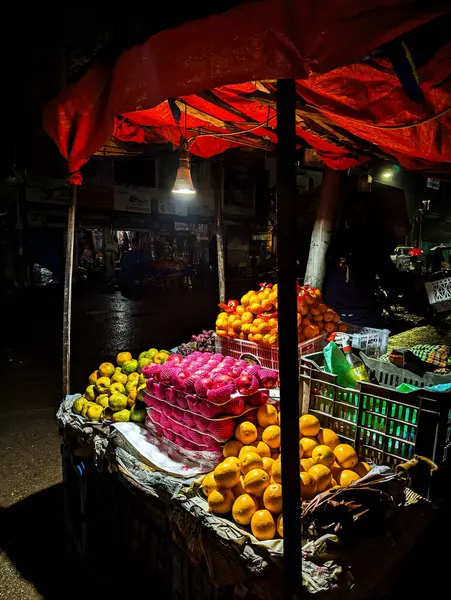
(328, 315)
(310, 332)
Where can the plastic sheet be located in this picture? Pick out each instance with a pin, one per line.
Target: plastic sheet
(266, 40)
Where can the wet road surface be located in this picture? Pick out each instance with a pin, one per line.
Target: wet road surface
(104, 323)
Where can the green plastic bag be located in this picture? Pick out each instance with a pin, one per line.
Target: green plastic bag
(335, 362)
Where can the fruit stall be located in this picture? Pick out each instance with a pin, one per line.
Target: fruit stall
(204, 443)
(197, 431)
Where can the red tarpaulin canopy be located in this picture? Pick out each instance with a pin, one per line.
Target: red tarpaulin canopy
(347, 113)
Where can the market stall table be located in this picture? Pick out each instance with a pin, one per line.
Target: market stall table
(152, 518)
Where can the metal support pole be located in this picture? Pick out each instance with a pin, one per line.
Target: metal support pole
(288, 336)
(67, 309)
(218, 182)
(324, 226)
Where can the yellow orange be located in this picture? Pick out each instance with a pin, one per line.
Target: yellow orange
(256, 482)
(322, 476)
(267, 464)
(272, 498)
(227, 474)
(308, 486)
(243, 508)
(308, 445)
(346, 456)
(262, 525)
(232, 448)
(309, 426)
(347, 476)
(310, 332)
(336, 470)
(329, 315)
(276, 471)
(306, 463)
(238, 489)
(267, 415)
(121, 358)
(220, 502)
(327, 437)
(233, 459)
(271, 436)
(245, 449)
(362, 468)
(209, 484)
(251, 460)
(323, 455)
(301, 450)
(262, 448)
(279, 525)
(246, 432)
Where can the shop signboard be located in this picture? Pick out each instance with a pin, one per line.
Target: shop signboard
(263, 237)
(173, 206)
(48, 190)
(132, 199)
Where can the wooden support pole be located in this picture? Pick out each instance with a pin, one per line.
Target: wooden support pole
(218, 183)
(68, 275)
(288, 336)
(323, 229)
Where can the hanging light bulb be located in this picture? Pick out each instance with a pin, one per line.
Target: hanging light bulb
(183, 184)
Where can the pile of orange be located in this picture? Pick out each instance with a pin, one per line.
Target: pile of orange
(315, 317)
(256, 319)
(325, 462)
(248, 482)
(243, 483)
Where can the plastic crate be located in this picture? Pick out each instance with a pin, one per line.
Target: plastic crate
(384, 425)
(439, 294)
(391, 376)
(267, 357)
(373, 341)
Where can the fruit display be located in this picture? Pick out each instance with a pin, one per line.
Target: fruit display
(247, 484)
(256, 318)
(195, 401)
(204, 342)
(115, 393)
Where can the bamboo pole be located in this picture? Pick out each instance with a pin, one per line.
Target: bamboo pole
(324, 226)
(218, 183)
(288, 337)
(68, 275)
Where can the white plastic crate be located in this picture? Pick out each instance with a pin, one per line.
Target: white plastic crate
(373, 341)
(267, 357)
(439, 294)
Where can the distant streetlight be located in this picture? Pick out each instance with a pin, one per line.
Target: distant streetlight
(183, 184)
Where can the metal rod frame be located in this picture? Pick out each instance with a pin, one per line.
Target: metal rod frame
(288, 338)
(218, 198)
(68, 276)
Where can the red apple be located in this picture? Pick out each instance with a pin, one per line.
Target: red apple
(246, 384)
